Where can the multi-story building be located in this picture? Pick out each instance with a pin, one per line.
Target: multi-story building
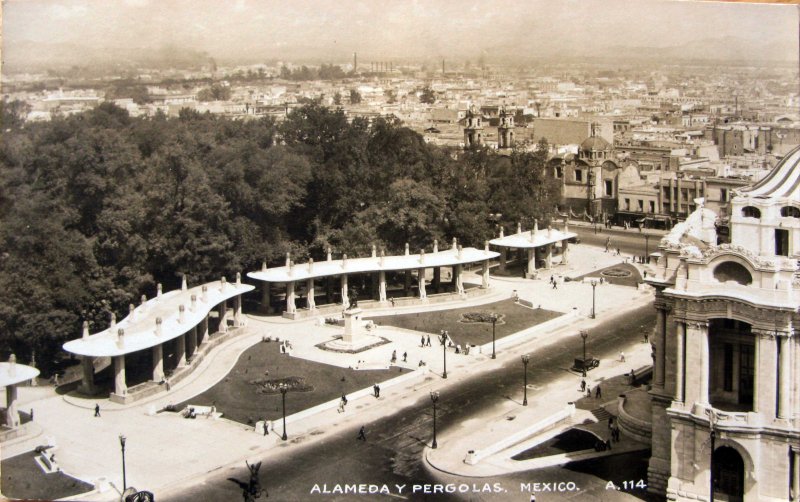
(726, 383)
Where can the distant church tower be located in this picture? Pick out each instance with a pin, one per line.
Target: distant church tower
(505, 130)
(473, 132)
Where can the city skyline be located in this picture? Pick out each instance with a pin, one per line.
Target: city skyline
(258, 30)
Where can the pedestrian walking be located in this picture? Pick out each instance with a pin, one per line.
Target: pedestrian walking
(377, 391)
(394, 356)
(266, 427)
(633, 376)
(392, 300)
(344, 398)
(429, 341)
(621, 357)
(96, 410)
(646, 336)
(31, 414)
(597, 392)
(341, 406)
(405, 357)
(362, 434)
(583, 385)
(422, 341)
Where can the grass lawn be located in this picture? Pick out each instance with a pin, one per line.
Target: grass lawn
(623, 274)
(241, 400)
(24, 479)
(514, 318)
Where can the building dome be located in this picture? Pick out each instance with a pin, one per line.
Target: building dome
(595, 144)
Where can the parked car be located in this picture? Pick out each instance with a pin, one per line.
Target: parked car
(587, 364)
(574, 240)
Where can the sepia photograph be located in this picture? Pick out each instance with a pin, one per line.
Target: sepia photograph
(442, 250)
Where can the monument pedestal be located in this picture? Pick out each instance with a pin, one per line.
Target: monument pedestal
(356, 337)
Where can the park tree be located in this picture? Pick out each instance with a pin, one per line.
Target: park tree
(427, 96)
(355, 97)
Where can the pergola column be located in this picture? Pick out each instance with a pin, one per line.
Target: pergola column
(203, 334)
(485, 275)
(785, 378)
(120, 386)
(191, 342)
(223, 317)
(421, 283)
(290, 306)
(531, 262)
(12, 415)
(437, 279)
(564, 248)
(382, 286)
(310, 295)
(502, 266)
(345, 297)
(237, 310)
(458, 279)
(87, 383)
(180, 350)
(549, 257)
(158, 363)
(680, 344)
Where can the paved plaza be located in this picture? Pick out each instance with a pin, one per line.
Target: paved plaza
(165, 450)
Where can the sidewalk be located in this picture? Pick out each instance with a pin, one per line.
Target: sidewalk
(164, 450)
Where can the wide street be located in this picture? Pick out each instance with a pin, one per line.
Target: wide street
(630, 242)
(392, 453)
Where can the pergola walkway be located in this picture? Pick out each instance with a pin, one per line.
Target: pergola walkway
(534, 242)
(456, 257)
(155, 322)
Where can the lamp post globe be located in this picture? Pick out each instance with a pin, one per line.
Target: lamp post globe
(525, 360)
(594, 286)
(434, 398)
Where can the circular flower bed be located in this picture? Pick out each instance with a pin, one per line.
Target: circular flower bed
(476, 317)
(295, 384)
(616, 272)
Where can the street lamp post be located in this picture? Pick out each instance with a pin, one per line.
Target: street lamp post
(494, 323)
(646, 248)
(584, 336)
(434, 398)
(525, 360)
(122, 440)
(284, 388)
(594, 285)
(444, 353)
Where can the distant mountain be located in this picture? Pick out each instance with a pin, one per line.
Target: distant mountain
(720, 49)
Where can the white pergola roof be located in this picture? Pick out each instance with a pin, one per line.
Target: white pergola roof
(532, 239)
(11, 374)
(300, 272)
(140, 326)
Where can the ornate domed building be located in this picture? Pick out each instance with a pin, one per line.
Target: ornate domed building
(726, 380)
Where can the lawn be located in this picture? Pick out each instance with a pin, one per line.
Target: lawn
(247, 393)
(24, 479)
(513, 318)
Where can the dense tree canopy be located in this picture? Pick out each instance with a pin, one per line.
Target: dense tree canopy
(97, 208)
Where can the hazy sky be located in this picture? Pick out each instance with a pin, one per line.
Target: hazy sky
(392, 28)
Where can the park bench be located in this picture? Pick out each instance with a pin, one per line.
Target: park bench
(202, 411)
(46, 459)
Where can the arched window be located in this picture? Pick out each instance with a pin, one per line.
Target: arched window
(732, 271)
(790, 212)
(751, 212)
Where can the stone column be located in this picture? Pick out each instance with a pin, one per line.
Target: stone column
(485, 275)
(502, 266)
(421, 283)
(223, 317)
(158, 363)
(191, 341)
(290, 306)
(457, 279)
(180, 351)
(237, 310)
(796, 474)
(87, 383)
(785, 378)
(120, 386)
(531, 263)
(766, 373)
(549, 257)
(312, 305)
(12, 415)
(382, 286)
(564, 251)
(680, 344)
(202, 336)
(705, 362)
(345, 297)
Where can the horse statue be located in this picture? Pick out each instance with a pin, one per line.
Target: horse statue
(251, 490)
